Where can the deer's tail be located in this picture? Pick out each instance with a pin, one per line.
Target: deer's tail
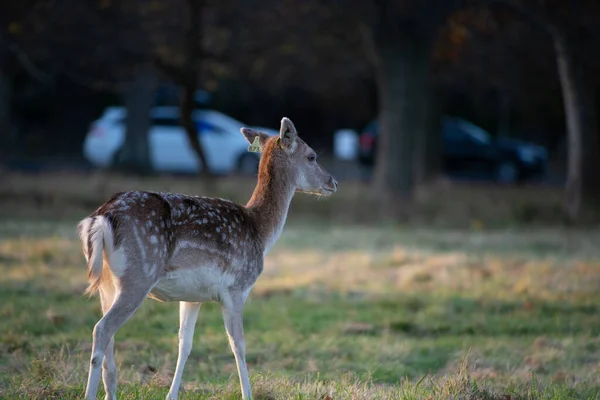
(96, 235)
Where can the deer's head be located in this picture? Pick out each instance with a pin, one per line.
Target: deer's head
(288, 158)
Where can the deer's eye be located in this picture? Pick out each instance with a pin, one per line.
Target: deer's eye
(312, 158)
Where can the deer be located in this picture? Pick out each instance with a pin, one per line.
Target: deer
(172, 247)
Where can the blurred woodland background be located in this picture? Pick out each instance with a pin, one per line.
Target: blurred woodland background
(524, 69)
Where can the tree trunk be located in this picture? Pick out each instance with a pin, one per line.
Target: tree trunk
(134, 155)
(187, 107)
(582, 147)
(402, 81)
(194, 55)
(428, 154)
(7, 142)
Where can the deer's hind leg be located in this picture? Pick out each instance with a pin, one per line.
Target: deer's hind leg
(130, 291)
(109, 367)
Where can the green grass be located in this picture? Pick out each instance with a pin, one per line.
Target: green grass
(340, 312)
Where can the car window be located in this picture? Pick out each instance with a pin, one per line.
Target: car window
(453, 133)
(475, 133)
(156, 121)
(204, 127)
(461, 131)
(165, 121)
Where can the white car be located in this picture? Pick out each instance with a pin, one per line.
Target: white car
(226, 148)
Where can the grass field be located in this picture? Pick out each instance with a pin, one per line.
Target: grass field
(341, 312)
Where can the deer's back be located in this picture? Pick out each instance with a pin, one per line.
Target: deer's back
(195, 246)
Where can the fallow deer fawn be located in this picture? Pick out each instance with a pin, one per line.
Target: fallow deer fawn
(173, 247)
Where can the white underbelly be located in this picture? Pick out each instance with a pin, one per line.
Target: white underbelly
(193, 285)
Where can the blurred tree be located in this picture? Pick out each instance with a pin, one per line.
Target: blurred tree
(206, 44)
(511, 46)
(6, 131)
(185, 70)
(12, 58)
(287, 58)
(98, 44)
(574, 29)
(194, 56)
(498, 70)
(134, 154)
(400, 37)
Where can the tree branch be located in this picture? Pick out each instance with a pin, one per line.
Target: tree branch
(189, 79)
(28, 65)
(536, 16)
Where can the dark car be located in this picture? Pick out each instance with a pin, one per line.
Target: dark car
(470, 150)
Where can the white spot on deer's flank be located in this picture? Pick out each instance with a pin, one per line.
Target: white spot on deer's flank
(140, 242)
(153, 239)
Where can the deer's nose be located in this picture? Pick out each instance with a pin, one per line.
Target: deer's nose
(333, 183)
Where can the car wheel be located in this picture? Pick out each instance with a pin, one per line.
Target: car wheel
(248, 164)
(506, 172)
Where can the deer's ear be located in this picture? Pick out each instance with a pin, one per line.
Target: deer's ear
(251, 135)
(287, 134)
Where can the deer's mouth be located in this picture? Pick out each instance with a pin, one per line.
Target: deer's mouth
(326, 191)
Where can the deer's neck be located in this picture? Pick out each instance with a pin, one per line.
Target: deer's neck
(269, 206)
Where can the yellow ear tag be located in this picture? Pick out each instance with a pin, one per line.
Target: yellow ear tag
(255, 146)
